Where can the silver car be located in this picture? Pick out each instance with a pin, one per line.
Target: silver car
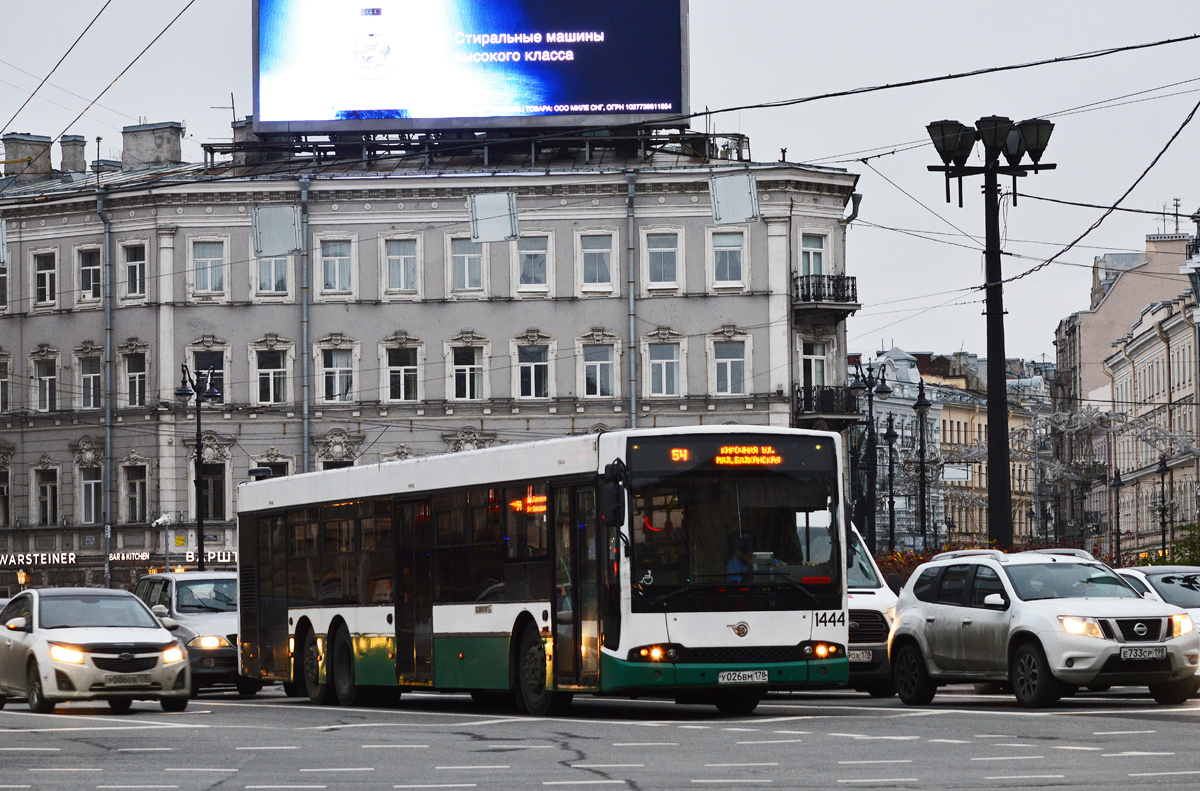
(60, 644)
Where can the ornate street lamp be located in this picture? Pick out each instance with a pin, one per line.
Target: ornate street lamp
(890, 438)
(1116, 483)
(1162, 501)
(189, 388)
(873, 382)
(921, 407)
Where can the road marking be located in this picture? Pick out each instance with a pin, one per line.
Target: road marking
(608, 766)
(1011, 744)
(1119, 733)
(773, 741)
(1131, 753)
(147, 749)
(135, 786)
(1162, 774)
(342, 769)
(749, 730)
(890, 761)
(1010, 758)
(795, 733)
(862, 736)
(66, 769)
(440, 785)
(280, 786)
(267, 748)
(880, 780)
(29, 750)
(201, 769)
(697, 727)
(1025, 777)
(583, 782)
(993, 736)
(765, 763)
(645, 744)
(1089, 749)
(949, 741)
(395, 746)
(476, 766)
(735, 780)
(521, 746)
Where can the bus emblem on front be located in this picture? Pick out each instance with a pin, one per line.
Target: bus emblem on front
(740, 629)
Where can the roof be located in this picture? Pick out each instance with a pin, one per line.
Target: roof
(54, 592)
(1156, 570)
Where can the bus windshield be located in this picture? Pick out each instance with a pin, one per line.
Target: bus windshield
(730, 526)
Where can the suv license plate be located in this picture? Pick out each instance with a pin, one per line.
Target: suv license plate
(742, 677)
(860, 656)
(127, 680)
(1144, 652)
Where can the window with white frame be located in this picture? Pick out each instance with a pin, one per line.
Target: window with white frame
(135, 379)
(402, 373)
(89, 382)
(45, 279)
(136, 500)
(272, 276)
(336, 270)
(813, 364)
(135, 269)
(467, 372)
(727, 258)
(208, 261)
(89, 274)
(3, 281)
(812, 254)
(664, 369)
(598, 370)
(92, 493)
(5, 402)
(207, 364)
(596, 261)
(337, 370)
(532, 263)
(45, 373)
(46, 492)
(271, 365)
(212, 491)
(400, 265)
(533, 371)
(466, 265)
(662, 257)
(730, 360)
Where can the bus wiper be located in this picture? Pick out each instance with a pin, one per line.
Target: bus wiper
(689, 588)
(789, 581)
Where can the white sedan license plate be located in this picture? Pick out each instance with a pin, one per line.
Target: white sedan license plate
(742, 677)
(860, 656)
(1144, 652)
(126, 679)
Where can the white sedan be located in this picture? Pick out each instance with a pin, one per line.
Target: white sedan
(60, 644)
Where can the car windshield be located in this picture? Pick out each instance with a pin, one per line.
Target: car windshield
(860, 571)
(68, 612)
(207, 596)
(1182, 590)
(1067, 581)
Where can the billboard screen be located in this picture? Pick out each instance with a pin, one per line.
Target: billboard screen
(402, 65)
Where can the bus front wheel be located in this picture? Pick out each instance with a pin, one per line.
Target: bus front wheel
(318, 691)
(537, 699)
(736, 704)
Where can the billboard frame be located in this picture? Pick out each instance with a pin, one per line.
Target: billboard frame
(510, 123)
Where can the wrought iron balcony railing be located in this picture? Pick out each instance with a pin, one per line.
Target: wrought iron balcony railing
(825, 400)
(842, 289)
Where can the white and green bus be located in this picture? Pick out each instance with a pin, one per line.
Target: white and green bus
(704, 565)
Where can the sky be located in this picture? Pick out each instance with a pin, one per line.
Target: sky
(916, 258)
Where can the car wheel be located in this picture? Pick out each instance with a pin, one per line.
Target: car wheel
(173, 705)
(1, 701)
(911, 678)
(531, 672)
(247, 687)
(344, 686)
(120, 704)
(292, 689)
(1032, 682)
(35, 697)
(1173, 692)
(318, 692)
(881, 689)
(1099, 687)
(736, 704)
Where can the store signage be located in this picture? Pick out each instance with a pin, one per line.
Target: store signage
(37, 559)
(218, 556)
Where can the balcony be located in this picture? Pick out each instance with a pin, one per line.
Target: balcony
(825, 407)
(824, 297)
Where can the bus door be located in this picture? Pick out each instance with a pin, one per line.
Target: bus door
(576, 574)
(413, 550)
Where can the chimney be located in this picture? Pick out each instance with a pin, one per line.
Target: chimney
(73, 158)
(105, 166)
(151, 145)
(32, 153)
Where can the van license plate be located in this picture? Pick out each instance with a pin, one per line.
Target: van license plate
(127, 680)
(1144, 652)
(860, 656)
(742, 677)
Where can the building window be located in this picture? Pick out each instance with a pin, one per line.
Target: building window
(135, 494)
(337, 365)
(135, 378)
(402, 374)
(663, 255)
(89, 274)
(5, 499)
(597, 253)
(466, 265)
(209, 260)
(335, 266)
(727, 258)
(93, 493)
(212, 491)
(3, 281)
(202, 362)
(730, 357)
(45, 279)
(533, 369)
(812, 254)
(401, 257)
(89, 382)
(598, 371)
(532, 252)
(47, 496)
(272, 276)
(468, 372)
(135, 270)
(46, 373)
(664, 369)
(279, 469)
(813, 364)
(5, 405)
(272, 376)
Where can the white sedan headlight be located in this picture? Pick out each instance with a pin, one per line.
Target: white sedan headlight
(64, 653)
(209, 642)
(1074, 624)
(1181, 625)
(172, 655)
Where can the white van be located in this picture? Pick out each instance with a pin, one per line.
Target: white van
(872, 605)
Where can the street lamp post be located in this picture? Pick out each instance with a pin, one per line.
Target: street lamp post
(1116, 483)
(921, 407)
(954, 142)
(189, 388)
(873, 383)
(1162, 502)
(890, 438)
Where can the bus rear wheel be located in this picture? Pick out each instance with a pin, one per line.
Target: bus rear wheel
(531, 678)
(318, 692)
(347, 690)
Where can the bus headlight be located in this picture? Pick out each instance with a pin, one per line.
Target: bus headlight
(209, 642)
(659, 652)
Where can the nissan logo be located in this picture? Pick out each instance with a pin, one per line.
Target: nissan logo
(741, 629)
(1139, 629)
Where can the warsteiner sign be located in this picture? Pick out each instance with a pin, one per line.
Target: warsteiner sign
(37, 559)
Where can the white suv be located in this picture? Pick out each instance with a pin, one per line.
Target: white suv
(1045, 622)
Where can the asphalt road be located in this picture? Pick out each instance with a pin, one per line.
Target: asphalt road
(1120, 739)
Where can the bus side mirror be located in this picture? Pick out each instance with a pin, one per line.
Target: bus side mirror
(612, 506)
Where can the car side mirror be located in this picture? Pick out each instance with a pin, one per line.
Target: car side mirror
(994, 601)
(895, 582)
(160, 610)
(1149, 595)
(17, 624)
(170, 624)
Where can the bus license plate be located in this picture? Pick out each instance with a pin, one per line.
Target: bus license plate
(742, 677)
(1144, 652)
(860, 656)
(127, 680)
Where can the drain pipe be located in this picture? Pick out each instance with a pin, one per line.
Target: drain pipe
(305, 374)
(110, 490)
(630, 283)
